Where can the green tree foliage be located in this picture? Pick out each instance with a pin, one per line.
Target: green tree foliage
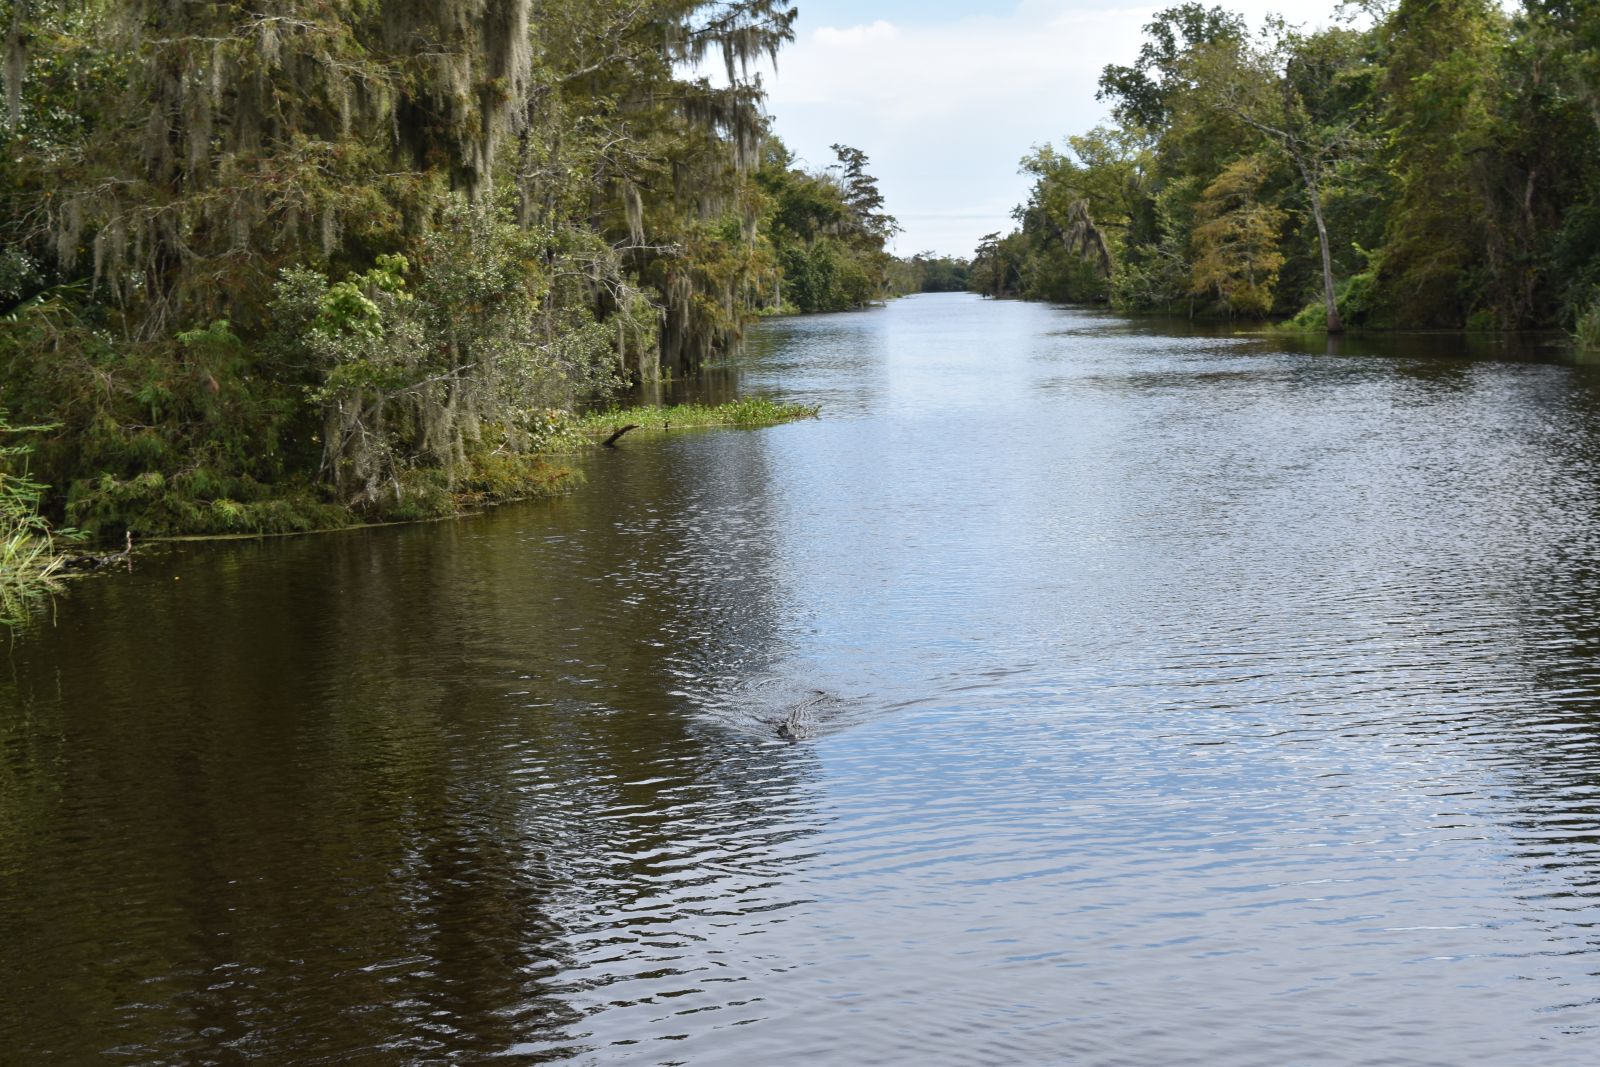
(1142, 95)
(1430, 163)
(1442, 82)
(264, 263)
(1291, 95)
(1236, 241)
(929, 272)
(1086, 202)
(998, 266)
(829, 230)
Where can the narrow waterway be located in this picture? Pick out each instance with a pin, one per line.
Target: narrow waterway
(1165, 699)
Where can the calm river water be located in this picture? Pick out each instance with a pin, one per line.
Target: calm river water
(1173, 700)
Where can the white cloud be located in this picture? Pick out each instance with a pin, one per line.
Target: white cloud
(831, 37)
(968, 67)
(945, 109)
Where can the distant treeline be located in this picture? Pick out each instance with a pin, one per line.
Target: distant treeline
(264, 266)
(927, 272)
(1428, 163)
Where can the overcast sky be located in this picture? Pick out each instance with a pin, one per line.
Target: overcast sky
(946, 96)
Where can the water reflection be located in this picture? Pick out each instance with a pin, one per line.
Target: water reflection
(428, 791)
(1191, 698)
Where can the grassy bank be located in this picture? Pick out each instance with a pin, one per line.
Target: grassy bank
(29, 558)
(749, 413)
(489, 477)
(1587, 333)
(29, 565)
(493, 477)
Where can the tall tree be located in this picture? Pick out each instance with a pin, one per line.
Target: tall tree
(861, 194)
(1442, 80)
(245, 241)
(1141, 94)
(1288, 92)
(1236, 240)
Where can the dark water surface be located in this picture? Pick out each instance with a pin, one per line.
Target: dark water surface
(1184, 700)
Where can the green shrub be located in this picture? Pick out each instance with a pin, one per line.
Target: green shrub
(1355, 297)
(1587, 331)
(29, 560)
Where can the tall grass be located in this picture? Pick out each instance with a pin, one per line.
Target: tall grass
(1587, 331)
(749, 412)
(29, 557)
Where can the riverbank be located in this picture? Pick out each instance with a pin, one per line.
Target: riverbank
(569, 436)
(30, 571)
(33, 564)
(30, 557)
(1446, 343)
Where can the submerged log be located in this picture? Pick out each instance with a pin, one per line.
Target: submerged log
(611, 442)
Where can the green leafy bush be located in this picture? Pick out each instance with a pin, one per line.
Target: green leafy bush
(29, 559)
(423, 370)
(1587, 331)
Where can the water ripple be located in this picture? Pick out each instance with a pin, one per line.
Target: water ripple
(1156, 698)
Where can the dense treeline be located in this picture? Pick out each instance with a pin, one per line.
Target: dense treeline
(268, 263)
(928, 272)
(1439, 167)
(830, 231)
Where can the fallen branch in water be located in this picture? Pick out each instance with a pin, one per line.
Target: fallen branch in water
(611, 442)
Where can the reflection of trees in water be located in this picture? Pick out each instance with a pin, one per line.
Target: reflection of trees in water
(1461, 544)
(440, 786)
(1552, 738)
(1534, 718)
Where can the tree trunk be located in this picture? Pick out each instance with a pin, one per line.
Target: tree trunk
(611, 442)
(16, 63)
(1335, 324)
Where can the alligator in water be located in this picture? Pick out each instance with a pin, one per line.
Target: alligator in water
(797, 725)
